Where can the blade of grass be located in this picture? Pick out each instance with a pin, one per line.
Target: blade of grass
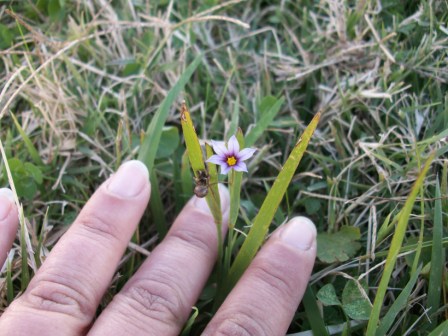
(197, 161)
(313, 314)
(148, 149)
(189, 324)
(269, 110)
(213, 198)
(437, 256)
(235, 187)
(25, 276)
(235, 181)
(28, 144)
(9, 286)
(399, 304)
(394, 249)
(186, 178)
(156, 206)
(440, 330)
(269, 207)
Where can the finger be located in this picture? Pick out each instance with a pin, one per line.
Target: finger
(9, 220)
(265, 299)
(63, 296)
(158, 298)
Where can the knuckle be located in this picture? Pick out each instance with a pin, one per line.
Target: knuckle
(242, 324)
(156, 300)
(55, 293)
(97, 227)
(275, 278)
(201, 240)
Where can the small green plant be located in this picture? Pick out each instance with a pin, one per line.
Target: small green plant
(230, 157)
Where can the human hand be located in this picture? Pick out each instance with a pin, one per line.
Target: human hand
(63, 296)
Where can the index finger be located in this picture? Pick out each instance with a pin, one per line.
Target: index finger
(63, 296)
(8, 223)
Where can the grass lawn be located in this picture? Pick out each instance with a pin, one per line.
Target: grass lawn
(81, 82)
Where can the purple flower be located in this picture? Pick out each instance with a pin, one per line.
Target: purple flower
(230, 157)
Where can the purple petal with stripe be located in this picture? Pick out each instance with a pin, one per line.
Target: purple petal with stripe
(217, 159)
(246, 153)
(219, 148)
(233, 145)
(225, 169)
(240, 167)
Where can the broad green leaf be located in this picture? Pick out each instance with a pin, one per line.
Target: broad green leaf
(327, 295)
(437, 256)
(354, 303)
(339, 246)
(150, 145)
(269, 108)
(6, 37)
(399, 304)
(269, 207)
(394, 249)
(168, 142)
(34, 172)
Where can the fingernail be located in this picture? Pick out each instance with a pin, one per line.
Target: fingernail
(129, 180)
(299, 233)
(201, 203)
(6, 201)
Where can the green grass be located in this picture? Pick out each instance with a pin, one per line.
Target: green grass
(81, 85)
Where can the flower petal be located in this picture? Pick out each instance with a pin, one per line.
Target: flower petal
(246, 153)
(225, 169)
(219, 148)
(233, 145)
(217, 159)
(240, 167)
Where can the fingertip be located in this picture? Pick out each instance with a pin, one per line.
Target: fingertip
(130, 180)
(299, 233)
(7, 205)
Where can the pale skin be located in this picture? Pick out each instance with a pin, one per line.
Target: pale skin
(63, 296)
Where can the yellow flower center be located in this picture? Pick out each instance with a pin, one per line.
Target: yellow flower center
(231, 161)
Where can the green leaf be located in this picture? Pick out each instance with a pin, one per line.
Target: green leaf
(355, 304)
(235, 181)
(394, 249)
(187, 329)
(169, 141)
(6, 37)
(399, 304)
(34, 172)
(55, 9)
(268, 209)
(313, 313)
(437, 256)
(327, 295)
(150, 145)
(191, 141)
(339, 246)
(269, 108)
(441, 330)
(29, 145)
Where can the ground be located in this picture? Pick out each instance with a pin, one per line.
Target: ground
(82, 80)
